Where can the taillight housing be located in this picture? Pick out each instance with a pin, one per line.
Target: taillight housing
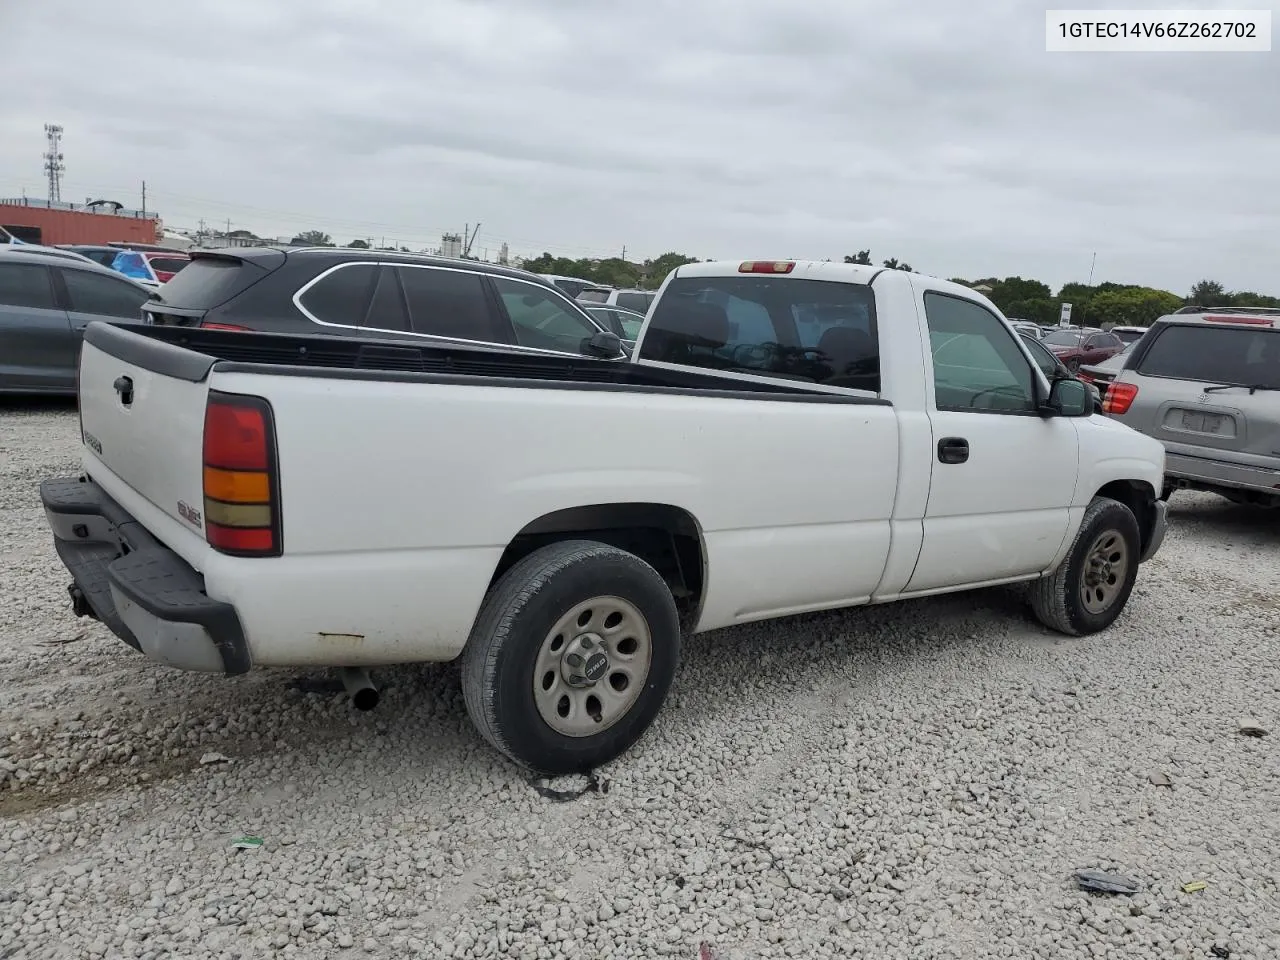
(1119, 397)
(241, 476)
(210, 325)
(766, 266)
(164, 276)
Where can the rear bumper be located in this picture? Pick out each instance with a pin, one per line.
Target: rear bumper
(144, 592)
(1207, 471)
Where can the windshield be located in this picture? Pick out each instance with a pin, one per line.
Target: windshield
(1064, 338)
(1233, 356)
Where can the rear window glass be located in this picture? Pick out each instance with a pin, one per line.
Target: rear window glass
(1064, 338)
(208, 282)
(168, 264)
(809, 330)
(593, 296)
(1215, 355)
(636, 301)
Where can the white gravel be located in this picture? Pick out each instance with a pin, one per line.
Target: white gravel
(910, 781)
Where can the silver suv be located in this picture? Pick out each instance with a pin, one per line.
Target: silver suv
(1205, 382)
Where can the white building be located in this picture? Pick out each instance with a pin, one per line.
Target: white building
(451, 245)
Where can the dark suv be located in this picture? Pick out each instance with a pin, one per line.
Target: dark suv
(376, 294)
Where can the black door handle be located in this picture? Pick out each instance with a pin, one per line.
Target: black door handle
(124, 387)
(953, 450)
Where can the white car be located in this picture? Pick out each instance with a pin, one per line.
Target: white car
(635, 300)
(790, 436)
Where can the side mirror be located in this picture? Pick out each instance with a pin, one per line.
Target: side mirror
(1069, 398)
(603, 345)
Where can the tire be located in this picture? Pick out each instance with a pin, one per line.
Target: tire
(1058, 598)
(1073, 365)
(1167, 491)
(512, 649)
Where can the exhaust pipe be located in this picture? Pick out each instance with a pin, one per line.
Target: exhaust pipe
(364, 695)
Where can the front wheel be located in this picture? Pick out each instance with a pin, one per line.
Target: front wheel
(571, 656)
(1090, 587)
(1073, 365)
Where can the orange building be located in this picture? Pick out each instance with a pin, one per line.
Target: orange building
(39, 221)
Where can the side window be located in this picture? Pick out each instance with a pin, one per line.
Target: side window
(541, 319)
(104, 295)
(342, 296)
(25, 285)
(447, 303)
(387, 312)
(638, 302)
(977, 368)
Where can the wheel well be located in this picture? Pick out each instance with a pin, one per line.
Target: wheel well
(1140, 498)
(667, 538)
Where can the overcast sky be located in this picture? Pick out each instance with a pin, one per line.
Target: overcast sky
(937, 132)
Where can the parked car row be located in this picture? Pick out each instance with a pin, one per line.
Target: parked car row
(149, 265)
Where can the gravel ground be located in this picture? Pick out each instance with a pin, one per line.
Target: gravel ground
(919, 780)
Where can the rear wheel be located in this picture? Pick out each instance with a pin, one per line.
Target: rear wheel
(1091, 586)
(571, 656)
(1073, 365)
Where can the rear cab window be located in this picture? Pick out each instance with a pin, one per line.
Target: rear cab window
(1234, 355)
(814, 331)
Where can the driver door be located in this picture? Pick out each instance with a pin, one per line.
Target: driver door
(1003, 477)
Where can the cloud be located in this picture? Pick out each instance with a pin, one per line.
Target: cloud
(937, 133)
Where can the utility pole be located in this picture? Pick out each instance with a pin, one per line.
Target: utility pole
(144, 199)
(624, 253)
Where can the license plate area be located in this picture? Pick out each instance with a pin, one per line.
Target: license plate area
(1200, 421)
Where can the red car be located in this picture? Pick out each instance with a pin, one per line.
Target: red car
(1079, 346)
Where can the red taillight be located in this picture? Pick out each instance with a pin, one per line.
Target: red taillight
(1081, 375)
(241, 493)
(208, 325)
(767, 266)
(164, 276)
(1119, 397)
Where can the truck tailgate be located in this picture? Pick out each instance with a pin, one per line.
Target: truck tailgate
(143, 419)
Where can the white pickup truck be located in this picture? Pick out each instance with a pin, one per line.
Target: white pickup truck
(788, 437)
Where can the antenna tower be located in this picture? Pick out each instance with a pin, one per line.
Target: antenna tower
(53, 165)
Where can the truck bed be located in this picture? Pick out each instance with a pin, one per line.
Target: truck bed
(340, 357)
